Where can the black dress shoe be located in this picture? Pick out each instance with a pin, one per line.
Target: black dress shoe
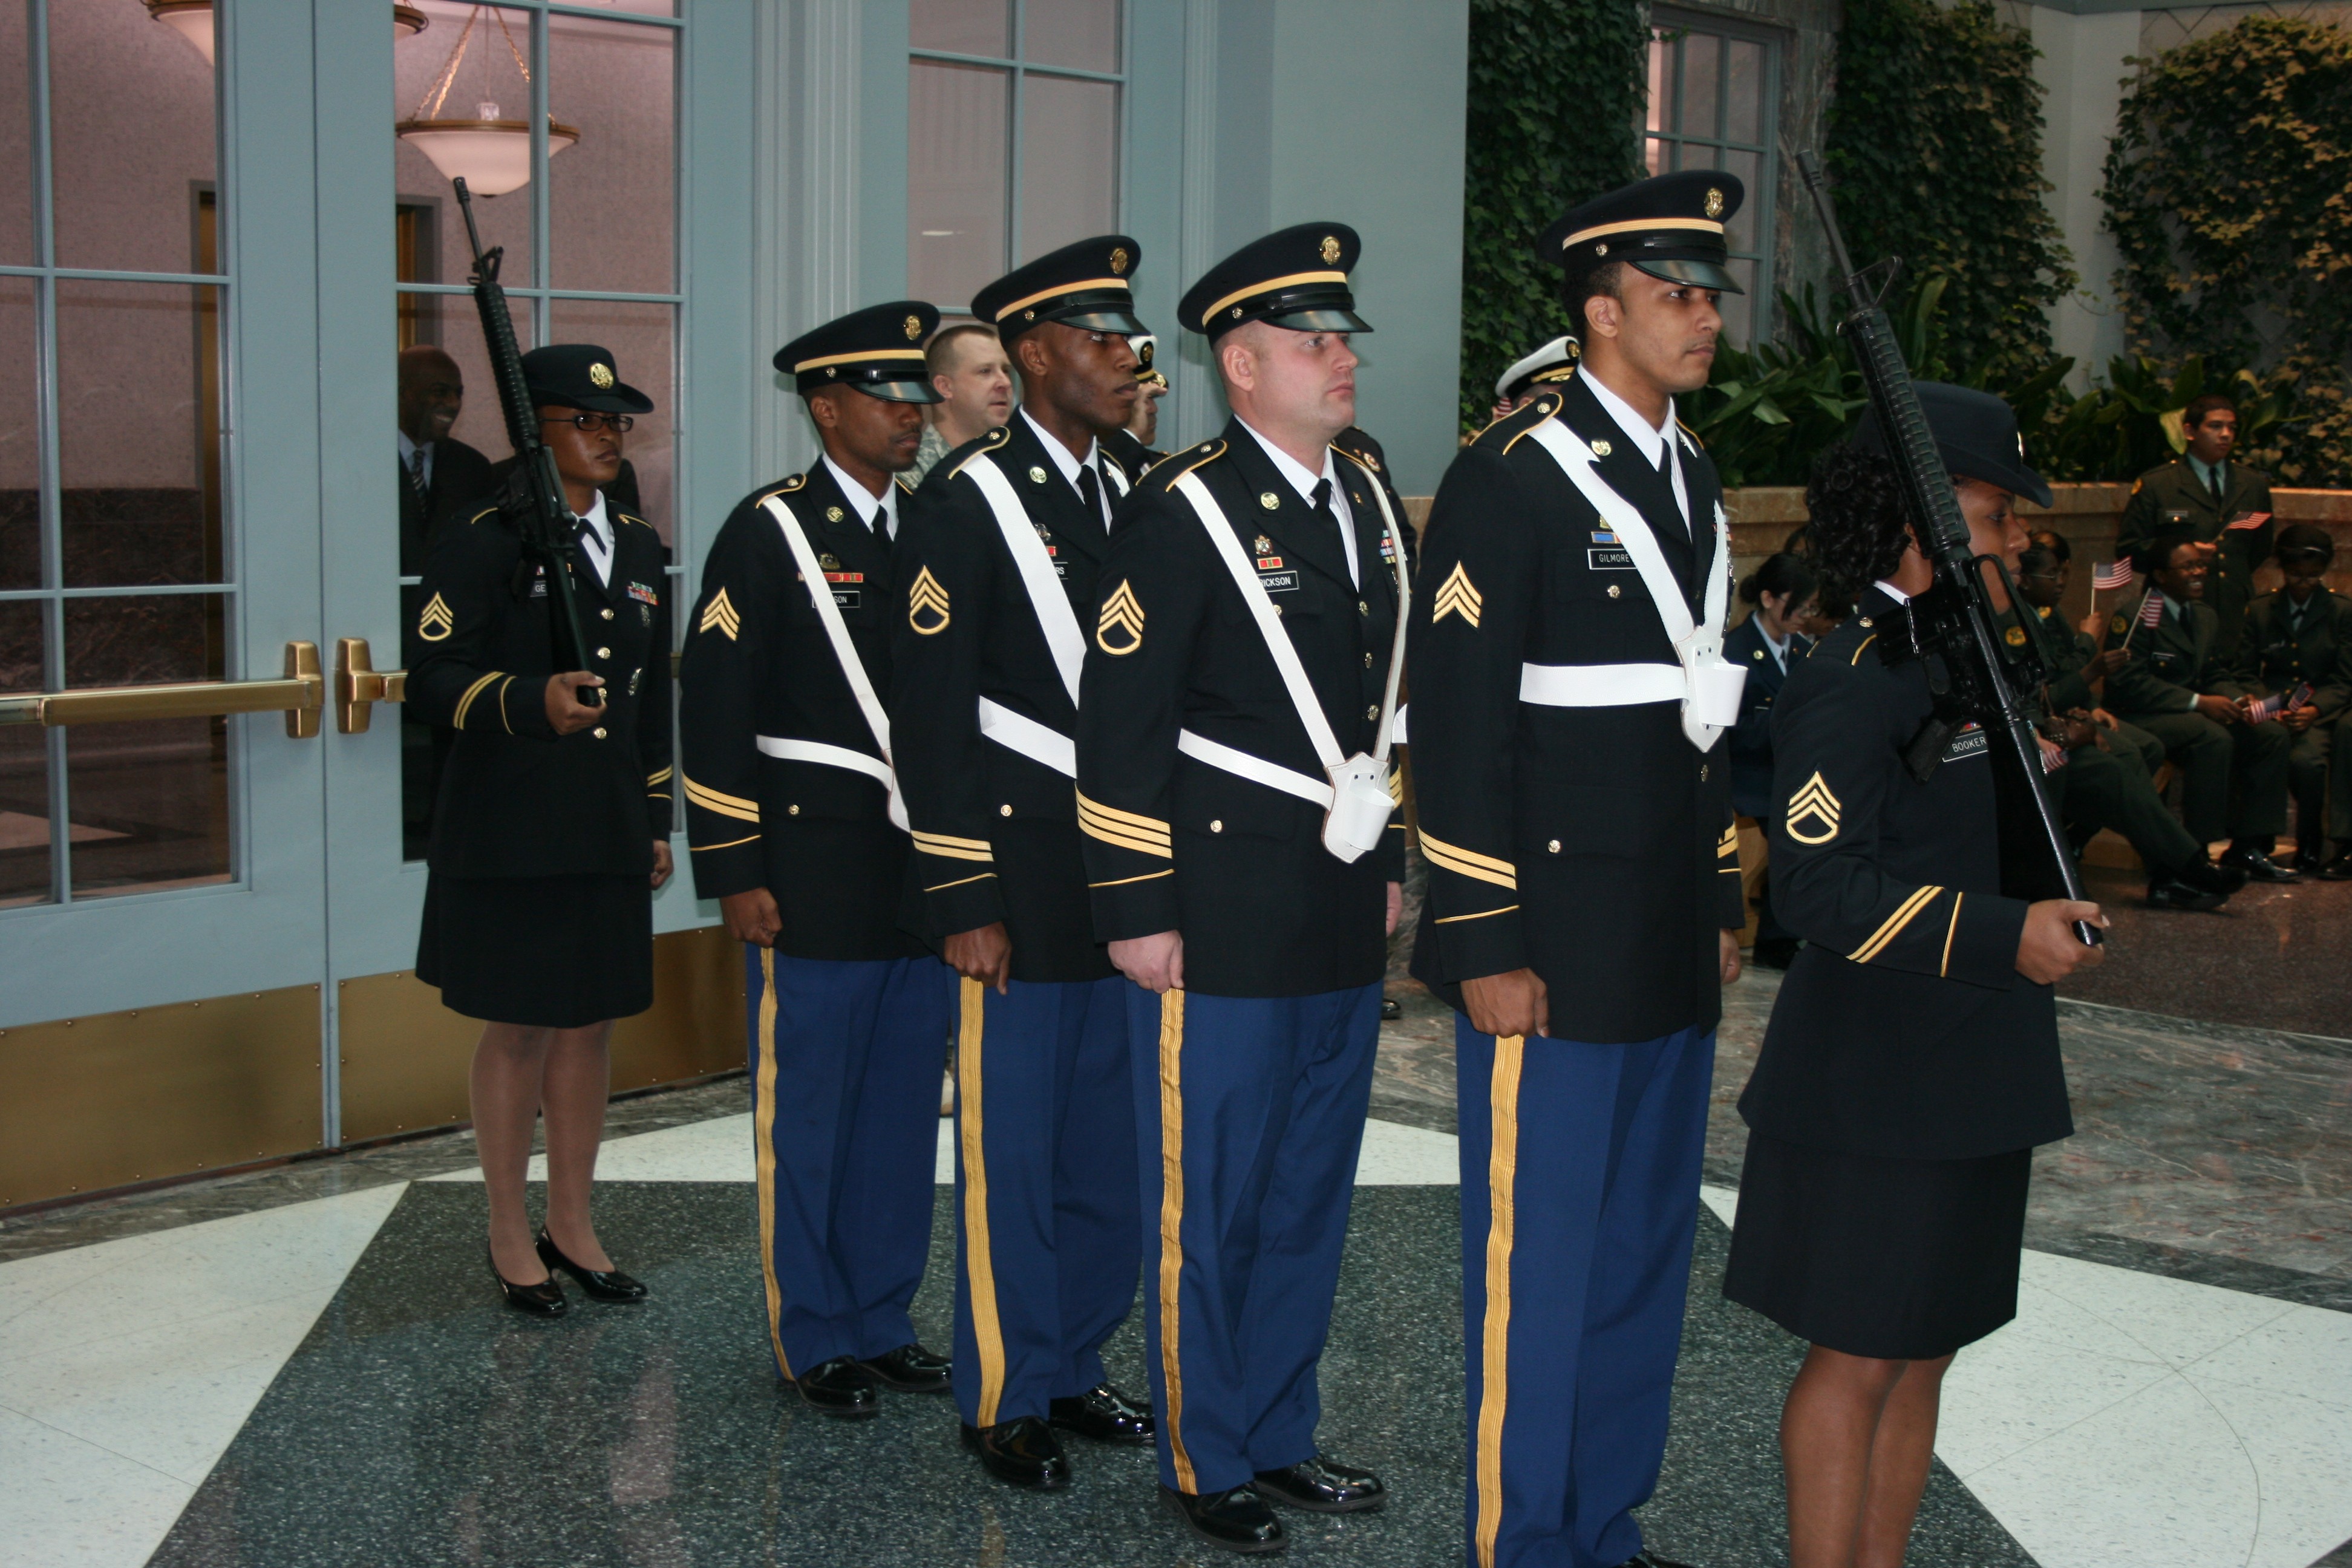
(911, 1369)
(544, 1299)
(1104, 1415)
(1236, 1519)
(841, 1387)
(2307, 858)
(1021, 1452)
(1323, 1486)
(2172, 893)
(2207, 877)
(2338, 869)
(2257, 865)
(1391, 1008)
(601, 1284)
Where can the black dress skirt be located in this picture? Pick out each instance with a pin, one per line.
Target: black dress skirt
(551, 953)
(1895, 1259)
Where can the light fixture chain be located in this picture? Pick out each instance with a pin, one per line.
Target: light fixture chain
(439, 91)
(510, 47)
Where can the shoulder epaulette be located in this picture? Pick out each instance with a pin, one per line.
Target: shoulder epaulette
(625, 517)
(904, 489)
(1206, 452)
(1365, 460)
(1504, 432)
(784, 489)
(486, 511)
(1691, 436)
(988, 443)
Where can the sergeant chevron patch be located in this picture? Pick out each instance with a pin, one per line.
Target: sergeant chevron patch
(1458, 597)
(436, 623)
(1814, 801)
(1120, 613)
(927, 597)
(720, 616)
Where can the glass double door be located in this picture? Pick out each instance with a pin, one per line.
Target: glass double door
(232, 306)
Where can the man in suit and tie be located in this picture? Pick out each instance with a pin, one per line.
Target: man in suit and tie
(437, 471)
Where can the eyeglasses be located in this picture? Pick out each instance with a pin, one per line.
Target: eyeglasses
(619, 424)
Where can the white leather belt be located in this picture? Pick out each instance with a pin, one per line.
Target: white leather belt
(1257, 769)
(792, 750)
(1019, 733)
(1602, 685)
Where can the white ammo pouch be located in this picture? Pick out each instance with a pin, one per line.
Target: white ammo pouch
(853, 669)
(1354, 793)
(1018, 731)
(1706, 683)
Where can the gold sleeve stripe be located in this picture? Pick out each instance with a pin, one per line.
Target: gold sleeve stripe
(1124, 827)
(1155, 847)
(502, 704)
(1865, 643)
(718, 801)
(661, 777)
(1113, 814)
(948, 848)
(728, 845)
(1123, 881)
(1482, 914)
(1950, 931)
(1903, 916)
(943, 886)
(1728, 843)
(1469, 863)
(467, 701)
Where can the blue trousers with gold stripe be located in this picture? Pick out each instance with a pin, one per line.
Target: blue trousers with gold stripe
(846, 1108)
(1046, 1244)
(1249, 1113)
(1579, 1198)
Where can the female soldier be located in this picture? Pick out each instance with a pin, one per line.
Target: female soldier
(1911, 1063)
(552, 824)
(1767, 644)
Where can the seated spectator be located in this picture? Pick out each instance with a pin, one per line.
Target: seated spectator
(974, 381)
(2107, 780)
(2178, 687)
(2302, 635)
(1766, 644)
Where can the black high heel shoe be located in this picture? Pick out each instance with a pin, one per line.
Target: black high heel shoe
(601, 1284)
(544, 1299)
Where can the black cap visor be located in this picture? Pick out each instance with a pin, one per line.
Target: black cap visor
(1319, 319)
(1699, 274)
(2007, 472)
(891, 383)
(1102, 319)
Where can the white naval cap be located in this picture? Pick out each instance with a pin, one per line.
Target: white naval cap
(1553, 362)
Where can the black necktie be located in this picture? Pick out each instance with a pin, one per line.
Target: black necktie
(416, 474)
(1324, 510)
(1090, 490)
(2213, 483)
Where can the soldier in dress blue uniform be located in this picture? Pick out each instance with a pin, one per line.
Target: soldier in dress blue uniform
(997, 565)
(553, 822)
(792, 817)
(1912, 1062)
(1571, 701)
(1245, 866)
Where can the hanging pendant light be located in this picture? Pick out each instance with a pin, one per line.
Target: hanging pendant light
(490, 150)
(192, 20)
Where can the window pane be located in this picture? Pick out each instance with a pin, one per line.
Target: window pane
(450, 322)
(638, 337)
(611, 199)
(487, 90)
(1740, 233)
(1740, 311)
(139, 433)
(150, 798)
(1702, 58)
(1081, 32)
(130, 119)
(1743, 91)
(1070, 162)
(20, 441)
(15, 141)
(1655, 155)
(956, 180)
(963, 26)
(1662, 67)
(24, 764)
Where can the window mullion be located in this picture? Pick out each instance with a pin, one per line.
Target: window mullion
(1013, 244)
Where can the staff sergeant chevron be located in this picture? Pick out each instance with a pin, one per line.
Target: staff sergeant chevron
(1815, 801)
(1459, 597)
(1120, 613)
(927, 597)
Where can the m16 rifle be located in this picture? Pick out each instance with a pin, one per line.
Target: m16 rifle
(533, 500)
(1975, 678)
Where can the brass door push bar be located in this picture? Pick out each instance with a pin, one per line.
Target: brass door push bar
(301, 694)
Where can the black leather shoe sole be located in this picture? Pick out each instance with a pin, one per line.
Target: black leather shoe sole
(1274, 1492)
(2262, 869)
(1245, 1546)
(892, 1376)
(1050, 1474)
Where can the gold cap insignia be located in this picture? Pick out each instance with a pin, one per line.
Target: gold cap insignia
(601, 374)
(1601, 449)
(720, 616)
(1330, 251)
(436, 623)
(829, 372)
(1237, 313)
(914, 325)
(1036, 476)
(1459, 597)
(1119, 260)
(927, 598)
(1813, 802)
(1269, 500)
(1120, 613)
(1714, 202)
(1263, 545)
(832, 514)
(1602, 248)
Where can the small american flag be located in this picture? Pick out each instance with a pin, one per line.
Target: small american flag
(2270, 708)
(2251, 519)
(2110, 574)
(2151, 609)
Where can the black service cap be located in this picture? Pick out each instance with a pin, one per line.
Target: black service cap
(1669, 226)
(1976, 434)
(1296, 277)
(877, 350)
(1083, 285)
(580, 376)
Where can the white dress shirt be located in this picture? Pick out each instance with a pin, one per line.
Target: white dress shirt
(1303, 479)
(864, 504)
(408, 451)
(1780, 649)
(597, 543)
(1655, 445)
(1069, 465)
